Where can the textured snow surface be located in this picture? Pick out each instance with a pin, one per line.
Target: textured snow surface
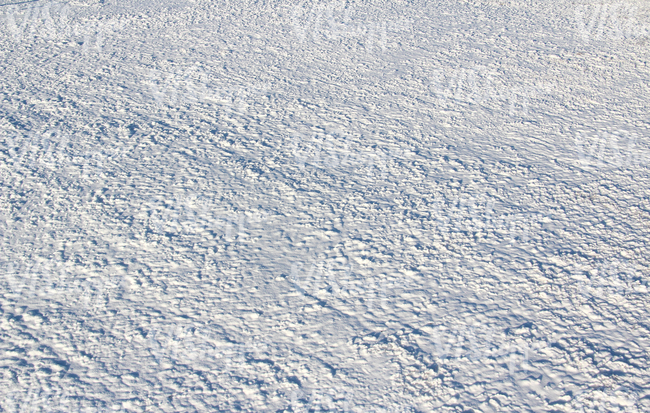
(272, 206)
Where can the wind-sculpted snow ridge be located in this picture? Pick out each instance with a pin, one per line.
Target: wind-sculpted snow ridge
(324, 206)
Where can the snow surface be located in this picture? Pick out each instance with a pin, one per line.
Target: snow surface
(324, 206)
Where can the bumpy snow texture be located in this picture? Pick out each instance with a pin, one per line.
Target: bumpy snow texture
(388, 206)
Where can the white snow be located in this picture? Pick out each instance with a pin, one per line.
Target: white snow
(246, 205)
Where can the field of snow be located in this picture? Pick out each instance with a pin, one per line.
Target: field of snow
(346, 206)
